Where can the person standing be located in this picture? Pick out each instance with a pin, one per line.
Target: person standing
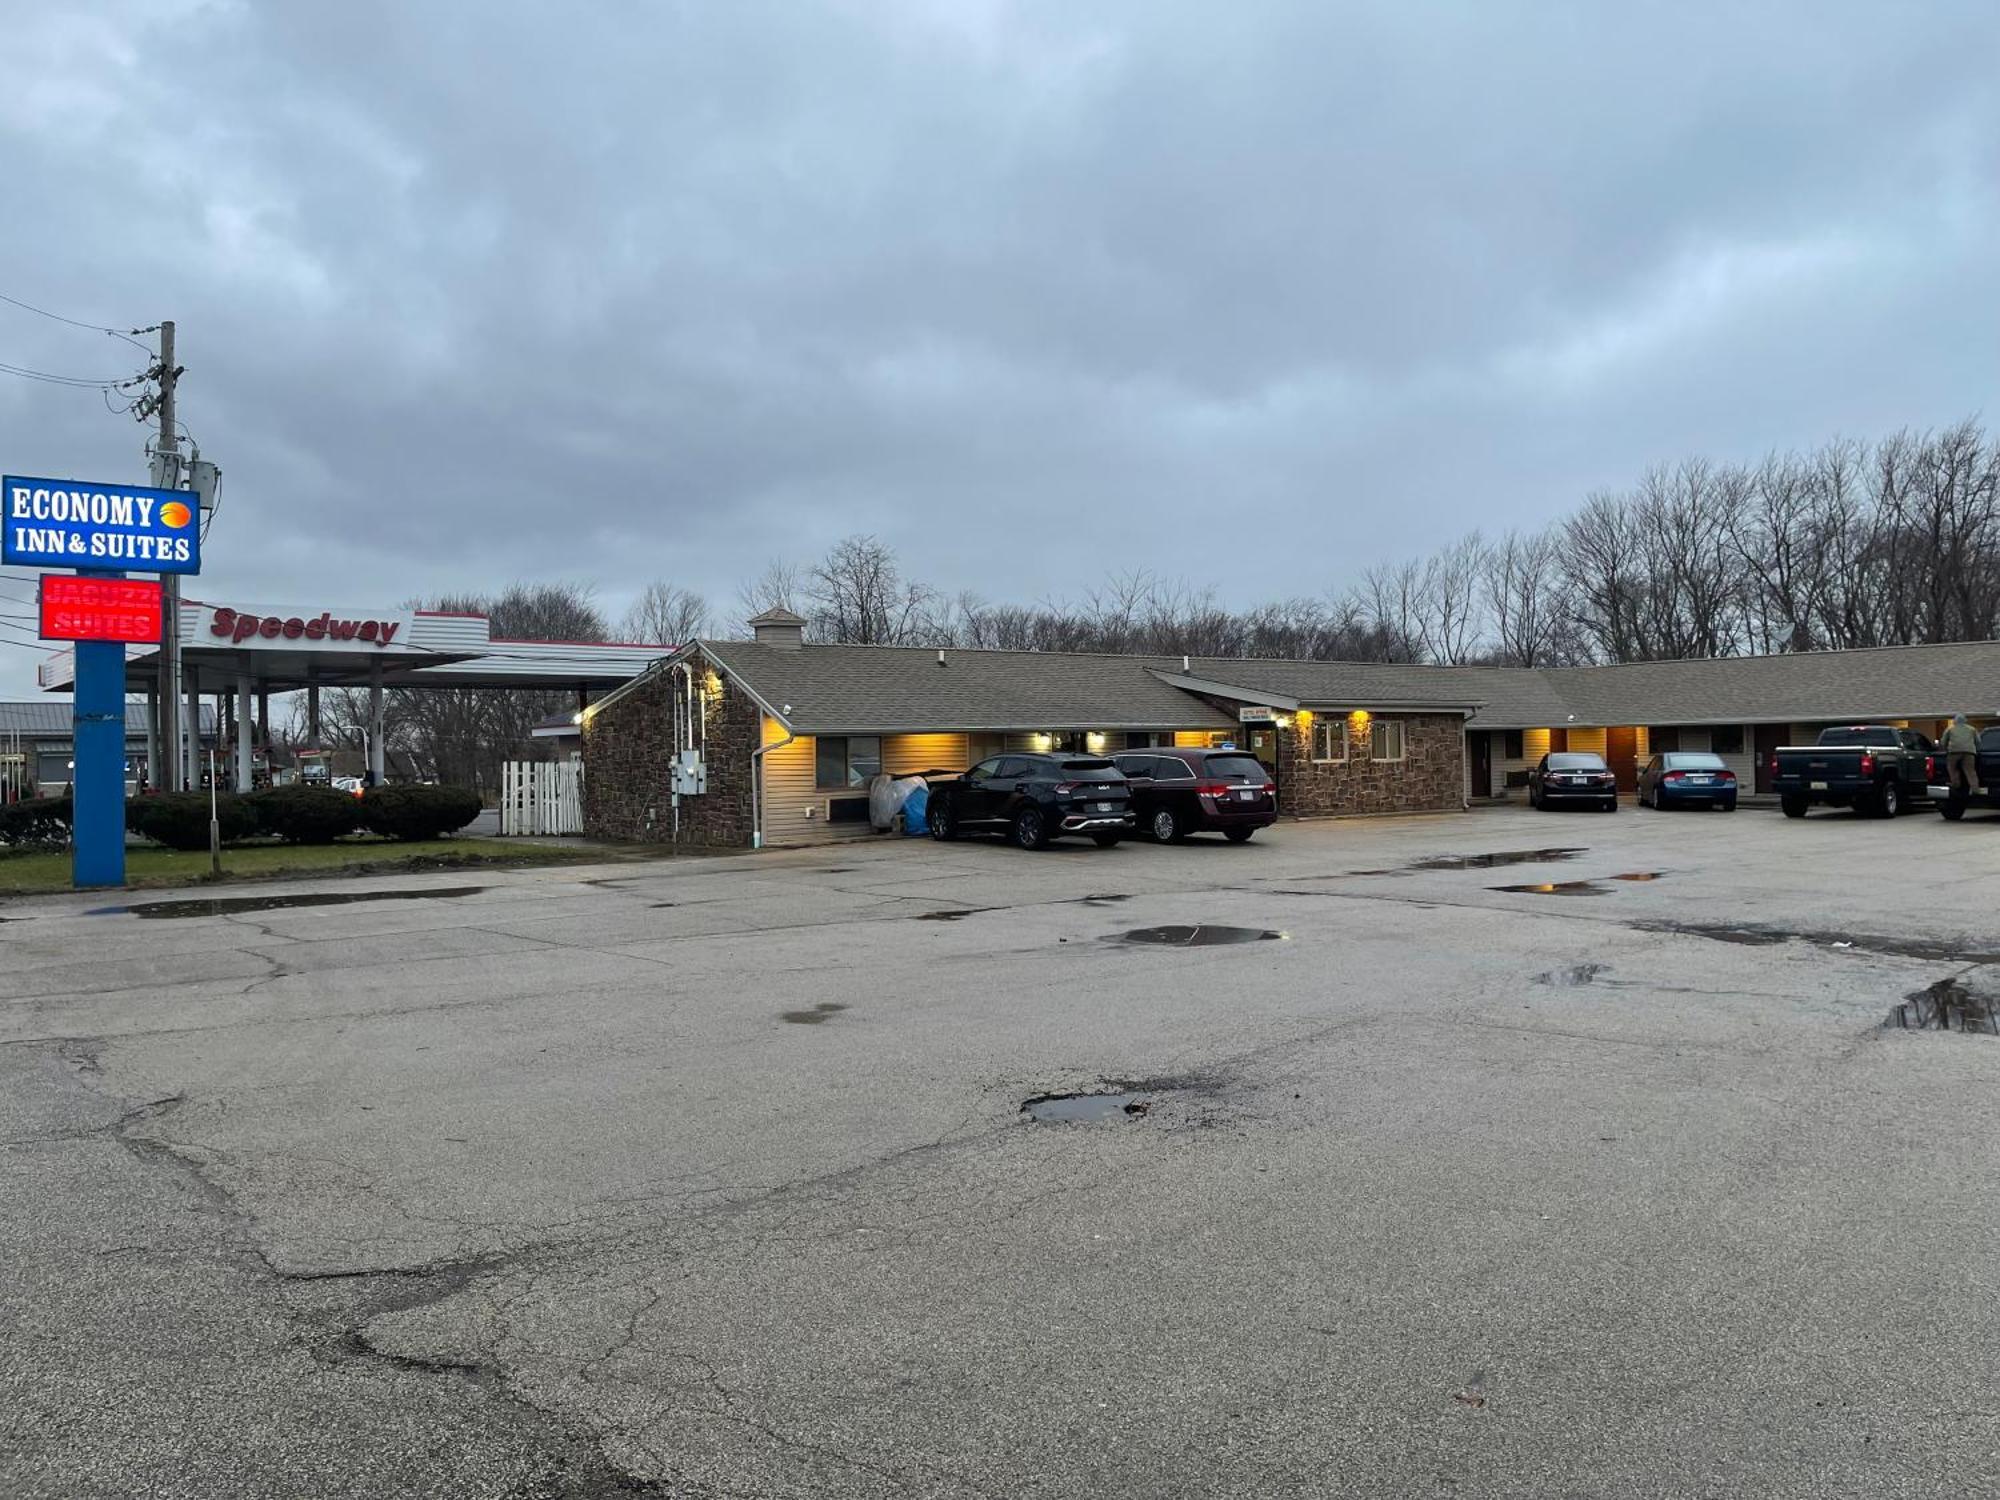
(1961, 747)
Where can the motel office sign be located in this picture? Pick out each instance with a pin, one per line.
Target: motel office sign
(108, 528)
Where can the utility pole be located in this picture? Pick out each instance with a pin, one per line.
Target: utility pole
(167, 475)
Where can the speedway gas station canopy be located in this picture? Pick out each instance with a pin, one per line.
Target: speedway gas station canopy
(282, 648)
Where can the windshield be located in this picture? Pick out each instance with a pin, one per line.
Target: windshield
(1579, 761)
(1859, 734)
(1244, 768)
(1690, 761)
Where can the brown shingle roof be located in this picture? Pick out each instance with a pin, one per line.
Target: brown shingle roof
(830, 689)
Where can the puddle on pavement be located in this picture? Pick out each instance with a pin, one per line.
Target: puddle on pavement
(952, 913)
(223, 906)
(1105, 899)
(1084, 1109)
(819, 1015)
(1556, 888)
(1207, 936)
(1948, 1005)
(1641, 875)
(1495, 860)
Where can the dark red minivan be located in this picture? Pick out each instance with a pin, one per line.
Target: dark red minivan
(1179, 792)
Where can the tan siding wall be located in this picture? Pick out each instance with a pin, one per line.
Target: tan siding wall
(790, 795)
(906, 754)
(1590, 740)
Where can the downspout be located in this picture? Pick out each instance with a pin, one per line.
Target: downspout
(757, 781)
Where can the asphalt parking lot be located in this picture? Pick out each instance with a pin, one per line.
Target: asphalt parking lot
(712, 1177)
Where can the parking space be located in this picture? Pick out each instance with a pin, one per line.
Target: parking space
(1493, 1154)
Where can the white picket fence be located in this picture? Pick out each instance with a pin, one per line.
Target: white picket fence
(541, 796)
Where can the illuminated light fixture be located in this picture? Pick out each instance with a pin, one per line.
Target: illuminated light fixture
(1359, 716)
(577, 717)
(1283, 721)
(1094, 742)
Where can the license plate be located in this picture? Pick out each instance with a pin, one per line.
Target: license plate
(1700, 780)
(1104, 806)
(1248, 794)
(1818, 786)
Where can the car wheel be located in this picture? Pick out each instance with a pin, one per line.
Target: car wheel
(1889, 801)
(1611, 807)
(1953, 807)
(1106, 840)
(943, 825)
(1238, 835)
(1165, 827)
(1031, 829)
(1534, 799)
(1794, 807)
(1730, 805)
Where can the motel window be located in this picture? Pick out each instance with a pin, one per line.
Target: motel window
(1387, 739)
(1515, 748)
(842, 762)
(1726, 739)
(1330, 738)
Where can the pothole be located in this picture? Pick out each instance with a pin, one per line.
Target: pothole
(223, 906)
(1574, 977)
(1085, 1108)
(1948, 1005)
(817, 1015)
(1176, 935)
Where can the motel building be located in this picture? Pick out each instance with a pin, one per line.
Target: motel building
(771, 742)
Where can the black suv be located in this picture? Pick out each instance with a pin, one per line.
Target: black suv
(1179, 792)
(1034, 798)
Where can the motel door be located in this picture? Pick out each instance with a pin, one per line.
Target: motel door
(1262, 740)
(1482, 763)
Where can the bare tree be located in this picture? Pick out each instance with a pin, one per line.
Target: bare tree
(856, 594)
(1525, 602)
(463, 734)
(777, 587)
(665, 615)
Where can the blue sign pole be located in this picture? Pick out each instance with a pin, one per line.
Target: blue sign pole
(97, 855)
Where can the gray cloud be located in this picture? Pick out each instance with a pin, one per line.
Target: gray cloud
(1035, 291)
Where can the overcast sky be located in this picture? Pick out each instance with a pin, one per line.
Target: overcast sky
(1253, 294)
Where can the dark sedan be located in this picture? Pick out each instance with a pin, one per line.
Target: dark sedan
(1572, 778)
(1687, 778)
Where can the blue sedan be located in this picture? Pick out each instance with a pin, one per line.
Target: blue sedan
(1687, 778)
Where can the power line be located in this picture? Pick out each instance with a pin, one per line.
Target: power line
(127, 335)
(79, 381)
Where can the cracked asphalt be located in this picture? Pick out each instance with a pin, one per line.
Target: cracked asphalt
(1621, 1190)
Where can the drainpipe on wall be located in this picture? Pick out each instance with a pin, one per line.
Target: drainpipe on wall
(757, 781)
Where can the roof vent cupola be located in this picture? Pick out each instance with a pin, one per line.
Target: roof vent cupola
(780, 628)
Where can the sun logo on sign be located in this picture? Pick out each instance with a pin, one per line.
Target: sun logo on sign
(175, 514)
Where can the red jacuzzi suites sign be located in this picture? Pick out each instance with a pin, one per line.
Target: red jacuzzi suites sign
(329, 629)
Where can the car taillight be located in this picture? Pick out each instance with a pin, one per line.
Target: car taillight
(1675, 776)
(1867, 762)
(1270, 789)
(1212, 788)
(1930, 768)
(1725, 775)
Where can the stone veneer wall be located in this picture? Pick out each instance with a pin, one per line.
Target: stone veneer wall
(627, 752)
(1431, 776)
